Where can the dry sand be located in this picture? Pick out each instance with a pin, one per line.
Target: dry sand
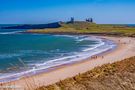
(125, 49)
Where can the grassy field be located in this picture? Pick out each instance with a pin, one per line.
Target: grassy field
(116, 76)
(89, 28)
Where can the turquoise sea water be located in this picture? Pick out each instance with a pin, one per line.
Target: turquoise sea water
(32, 53)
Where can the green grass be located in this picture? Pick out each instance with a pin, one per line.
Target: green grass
(89, 28)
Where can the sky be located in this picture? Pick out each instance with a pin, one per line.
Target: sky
(47, 11)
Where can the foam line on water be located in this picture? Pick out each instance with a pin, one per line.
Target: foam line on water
(102, 46)
(14, 32)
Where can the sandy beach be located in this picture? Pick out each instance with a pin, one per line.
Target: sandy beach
(125, 49)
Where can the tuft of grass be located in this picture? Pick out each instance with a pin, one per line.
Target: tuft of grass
(107, 77)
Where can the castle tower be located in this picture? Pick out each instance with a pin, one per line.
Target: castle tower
(89, 20)
(72, 20)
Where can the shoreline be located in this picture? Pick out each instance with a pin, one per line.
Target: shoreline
(78, 59)
(65, 71)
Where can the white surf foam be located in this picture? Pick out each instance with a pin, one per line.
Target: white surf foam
(102, 46)
(14, 32)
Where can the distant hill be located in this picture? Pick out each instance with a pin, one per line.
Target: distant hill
(83, 27)
(35, 26)
(78, 27)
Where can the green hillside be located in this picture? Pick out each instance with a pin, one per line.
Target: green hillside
(80, 27)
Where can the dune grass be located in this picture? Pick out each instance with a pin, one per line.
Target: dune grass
(117, 76)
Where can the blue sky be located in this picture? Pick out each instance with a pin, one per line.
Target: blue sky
(46, 11)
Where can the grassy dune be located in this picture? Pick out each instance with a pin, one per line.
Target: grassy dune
(116, 76)
(89, 28)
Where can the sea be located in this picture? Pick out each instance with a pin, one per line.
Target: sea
(23, 54)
